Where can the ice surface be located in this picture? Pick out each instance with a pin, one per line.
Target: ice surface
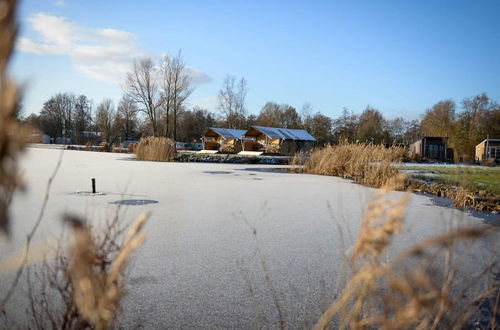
(199, 266)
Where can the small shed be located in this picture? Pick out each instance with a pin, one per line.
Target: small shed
(488, 150)
(272, 140)
(431, 148)
(224, 140)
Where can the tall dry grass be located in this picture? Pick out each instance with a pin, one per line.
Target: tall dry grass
(158, 149)
(81, 286)
(419, 288)
(13, 135)
(368, 164)
(97, 282)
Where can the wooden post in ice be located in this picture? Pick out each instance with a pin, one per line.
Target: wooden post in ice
(93, 185)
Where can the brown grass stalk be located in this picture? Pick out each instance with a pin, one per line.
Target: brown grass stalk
(157, 149)
(96, 282)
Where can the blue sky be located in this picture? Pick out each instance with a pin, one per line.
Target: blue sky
(400, 57)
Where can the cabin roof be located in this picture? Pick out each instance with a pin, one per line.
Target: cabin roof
(489, 140)
(228, 133)
(284, 133)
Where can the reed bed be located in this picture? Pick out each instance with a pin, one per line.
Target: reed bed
(158, 149)
(367, 164)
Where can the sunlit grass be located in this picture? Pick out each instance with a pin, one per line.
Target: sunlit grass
(475, 178)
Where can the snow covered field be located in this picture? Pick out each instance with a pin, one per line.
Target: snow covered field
(199, 266)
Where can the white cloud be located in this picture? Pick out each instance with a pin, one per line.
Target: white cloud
(101, 54)
(197, 77)
(209, 102)
(53, 29)
(29, 46)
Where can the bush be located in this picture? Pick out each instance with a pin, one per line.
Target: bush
(131, 147)
(105, 146)
(158, 149)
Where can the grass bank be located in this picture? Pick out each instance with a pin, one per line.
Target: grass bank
(472, 178)
(373, 165)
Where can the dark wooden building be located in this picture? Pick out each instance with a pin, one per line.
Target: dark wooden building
(431, 148)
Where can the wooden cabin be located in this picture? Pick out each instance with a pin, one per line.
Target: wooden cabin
(488, 150)
(223, 140)
(272, 140)
(431, 148)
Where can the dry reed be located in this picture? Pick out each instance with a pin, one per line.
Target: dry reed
(81, 286)
(364, 163)
(417, 289)
(13, 136)
(157, 149)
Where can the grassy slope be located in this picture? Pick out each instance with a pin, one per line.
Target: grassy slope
(476, 178)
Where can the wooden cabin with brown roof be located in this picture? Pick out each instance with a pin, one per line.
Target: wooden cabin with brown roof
(223, 140)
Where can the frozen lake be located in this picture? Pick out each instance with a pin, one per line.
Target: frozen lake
(199, 267)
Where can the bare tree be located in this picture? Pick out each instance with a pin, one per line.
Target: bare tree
(176, 89)
(275, 115)
(193, 123)
(104, 118)
(345, 126)
(270, 115)
(231, 100)
(440, 119)
(370, 127)
(143, 86)
(57, 115)
(475, 122)
(320, 126)
(67, 102)
(82, 118)
(126, 118)
(306, 113)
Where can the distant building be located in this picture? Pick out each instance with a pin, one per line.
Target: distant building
(272, 140)
(126, 143)
(38, 136)
(64, 140)
(488, 150)
(431, 148)
(224, 140)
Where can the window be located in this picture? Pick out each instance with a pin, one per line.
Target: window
(435, 151)
(493, 152)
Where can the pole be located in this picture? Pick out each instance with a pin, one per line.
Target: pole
(93, 186)
(487, 145)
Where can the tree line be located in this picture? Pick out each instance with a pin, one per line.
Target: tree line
(155, 103)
